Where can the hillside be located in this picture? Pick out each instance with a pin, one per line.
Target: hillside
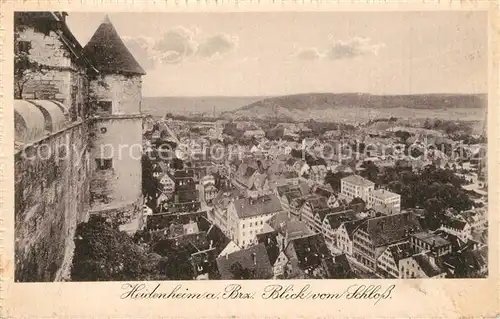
(186, 105)
(354, 106)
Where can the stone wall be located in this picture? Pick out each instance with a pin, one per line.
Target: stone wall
(125, 93)
(60, 78)
(52, 196)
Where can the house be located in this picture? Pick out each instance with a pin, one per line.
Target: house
(317, 173)
(218, 215)
(314, 209)
(428, 241)
(422, 265)
(372, 236)
(385, 198)
(255, 133)
(168, 184)
(250, 263)
(305, 255)
(457, 227)
(157, 171)
(230, 248)
(276, 255)
(327, 192)
(388, 261)
(339, 267)
(184, 201)
(344, 234)
(356, 186)
(184, 179)
(331, 224)
(205, 265)
(246, 217)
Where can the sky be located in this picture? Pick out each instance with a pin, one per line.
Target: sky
(280, 53)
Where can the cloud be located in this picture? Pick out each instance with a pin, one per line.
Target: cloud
(141, 49)
(175, 45)
(216, 45)
(352, 48)
(178, 44)
(308, 54)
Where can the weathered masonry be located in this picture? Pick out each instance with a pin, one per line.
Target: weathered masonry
(60, 89)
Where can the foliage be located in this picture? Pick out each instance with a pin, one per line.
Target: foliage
(334, 179)
(176, 260)
(150, 184)
(239, 272)
(105, 253)
(433, 188)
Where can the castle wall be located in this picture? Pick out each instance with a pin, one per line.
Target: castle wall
(60, 79)
(52, 195)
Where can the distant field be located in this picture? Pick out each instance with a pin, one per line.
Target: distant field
(159, 106)
(236, 107)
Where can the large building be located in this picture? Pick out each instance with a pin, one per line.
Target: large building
(247, 216)
(385, 199)
(356, 186)
(60, 175)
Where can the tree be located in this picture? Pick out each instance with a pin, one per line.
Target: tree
(239, 272)
(25, 68)
(102, 252)
(150, 184)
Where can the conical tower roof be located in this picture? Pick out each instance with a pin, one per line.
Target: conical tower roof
(108, 52)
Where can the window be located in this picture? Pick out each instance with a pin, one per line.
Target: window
(104, 107)
(24, 46)
(103, 163)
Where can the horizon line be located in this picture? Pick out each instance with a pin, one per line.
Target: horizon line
(341, 93)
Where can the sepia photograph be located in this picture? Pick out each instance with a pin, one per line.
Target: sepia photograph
(178, 146)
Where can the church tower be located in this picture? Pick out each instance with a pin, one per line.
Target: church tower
(116, 137)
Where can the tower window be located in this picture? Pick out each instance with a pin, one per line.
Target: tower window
(24, 46)
(103, 163)
(104, 107)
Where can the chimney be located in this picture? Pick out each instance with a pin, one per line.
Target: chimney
(211, 243)
(254, 258)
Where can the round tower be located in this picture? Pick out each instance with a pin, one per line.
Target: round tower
(116, 94)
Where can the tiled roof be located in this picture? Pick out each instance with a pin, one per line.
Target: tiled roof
(454, 223)
(108, 52)
(385, 230)
(430, 268)
(310, 251)
(383, 194)
(431, 239)
(254, 262)
(352, 226)
(338, 267)
(400, 251)
(270, 240)
(336, 219)
(248, 207)
(358, 180)
(217, 238)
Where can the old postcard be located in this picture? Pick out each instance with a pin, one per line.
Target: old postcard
(250, 160)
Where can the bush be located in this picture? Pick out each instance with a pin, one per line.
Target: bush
(105, 253)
